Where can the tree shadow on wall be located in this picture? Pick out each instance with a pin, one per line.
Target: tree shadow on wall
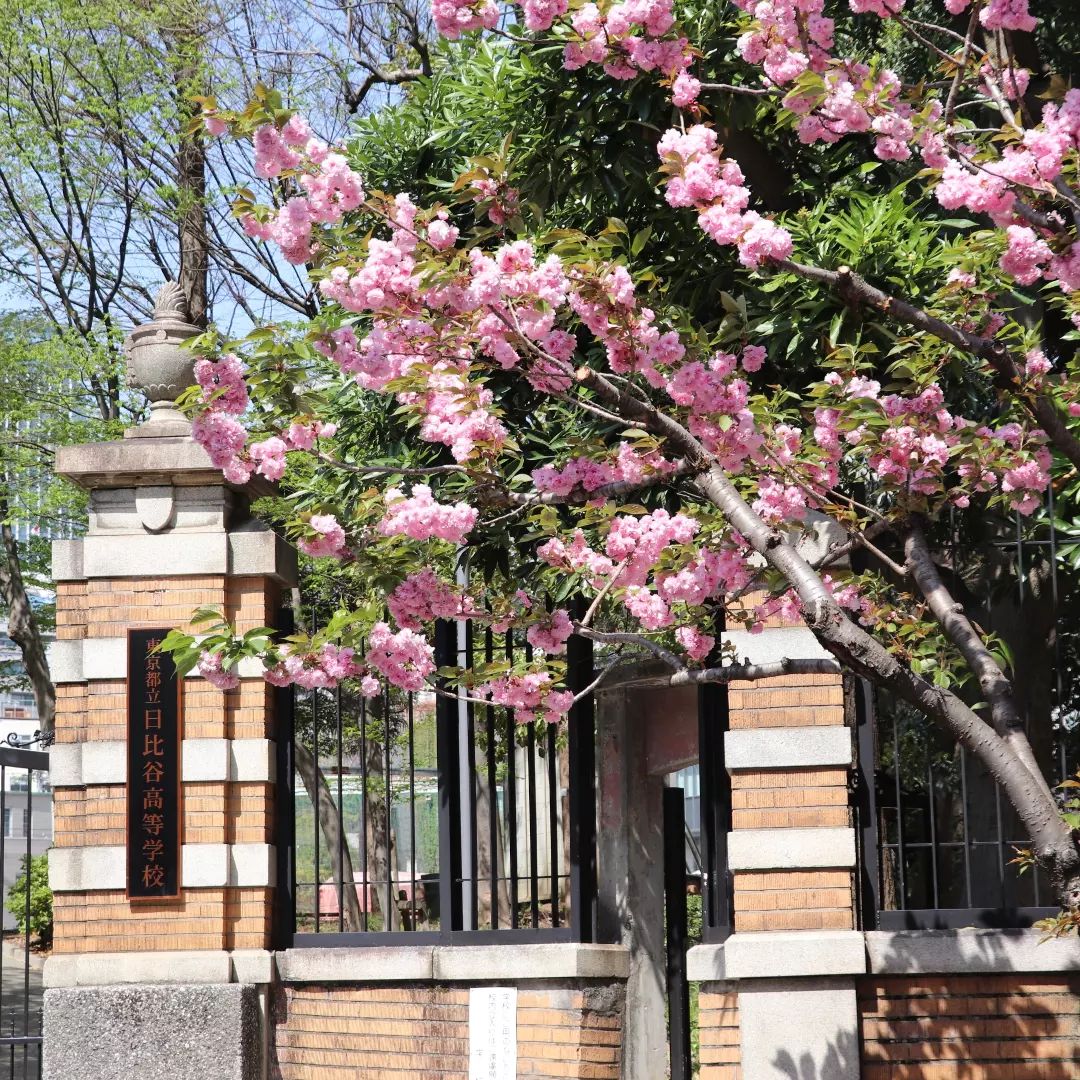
(841, 1062)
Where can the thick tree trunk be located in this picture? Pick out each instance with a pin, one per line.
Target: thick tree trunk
(187, 54)
(22, 625)
(318, 791)
(380, 836)
(487, 860)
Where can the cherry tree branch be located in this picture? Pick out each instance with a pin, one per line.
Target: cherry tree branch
(737, 673)
(847, 641)
(857, 291)
(958, 628)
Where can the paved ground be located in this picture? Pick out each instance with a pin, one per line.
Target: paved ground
(17, 1063)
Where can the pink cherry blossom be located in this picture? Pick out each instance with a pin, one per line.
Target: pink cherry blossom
(222, 383)
(697, 644)
(404, 657)
(1026, 254)
(1007, 15)
(269, 457)
(329, 539)
(421, 597)
(211, 668)
(420, 517)
(550, 635)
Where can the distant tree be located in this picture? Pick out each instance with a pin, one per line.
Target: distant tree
(35, 880)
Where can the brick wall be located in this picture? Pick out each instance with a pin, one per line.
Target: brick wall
(105, 921)
(790, 798)
(413, 1032)
(793, 900)
(718, 1032)
(985, 1027)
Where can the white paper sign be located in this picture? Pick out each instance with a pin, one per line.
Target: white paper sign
(493, 1033)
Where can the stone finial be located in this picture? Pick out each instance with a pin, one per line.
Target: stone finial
(170, 303)
(159, 364)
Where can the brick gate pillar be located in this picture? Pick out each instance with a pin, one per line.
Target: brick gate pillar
(171, 988)
(778, 998)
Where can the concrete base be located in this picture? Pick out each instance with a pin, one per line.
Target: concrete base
(631, 857)
(799, 1029)
(207, 1032)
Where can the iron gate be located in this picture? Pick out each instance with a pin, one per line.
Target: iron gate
(411, 817)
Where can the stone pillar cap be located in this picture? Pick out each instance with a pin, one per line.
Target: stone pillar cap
(180, 462)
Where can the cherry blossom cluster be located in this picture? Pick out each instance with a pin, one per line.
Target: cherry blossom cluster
(531, 695)
(419, 517)
(324, 668)
(717, 397)
(499, 199)
(218, 430)
(326, 539)
(331, 188)
(633, 342)
(404, 657)
(630, 37)
(550, 634)
(633, 551)
(211, 668)
(923, 442)
(998, 14)
(422, 597)
(786, 37)
(717, 190)
(589, 474)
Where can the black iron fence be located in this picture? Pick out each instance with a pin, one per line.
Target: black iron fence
(938, 837)
(715, 814)
(24, 803)
(422, 817)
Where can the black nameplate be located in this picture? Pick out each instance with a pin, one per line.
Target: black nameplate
(154, 724)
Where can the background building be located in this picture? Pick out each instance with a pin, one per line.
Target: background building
(25, 798)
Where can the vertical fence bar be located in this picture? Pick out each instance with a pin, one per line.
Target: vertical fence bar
(866, 804)
(414, 878)
(554, 837)
(901, 871)
(534, 876)
(469, 839)
(965, 826)
(511, 796)
(446, 724)
(285, 818)
(678, 988)
(364, 811)
(582, 737)
(391, 899)
(493, 788)
(340, 813)
(716, 900)
(715, 811)
(931, 809)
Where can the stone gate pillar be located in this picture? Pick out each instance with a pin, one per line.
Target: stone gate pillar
(177, 987)
(778, 998)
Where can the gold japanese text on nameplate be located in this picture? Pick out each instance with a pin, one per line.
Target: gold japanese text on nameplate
(154, 731)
